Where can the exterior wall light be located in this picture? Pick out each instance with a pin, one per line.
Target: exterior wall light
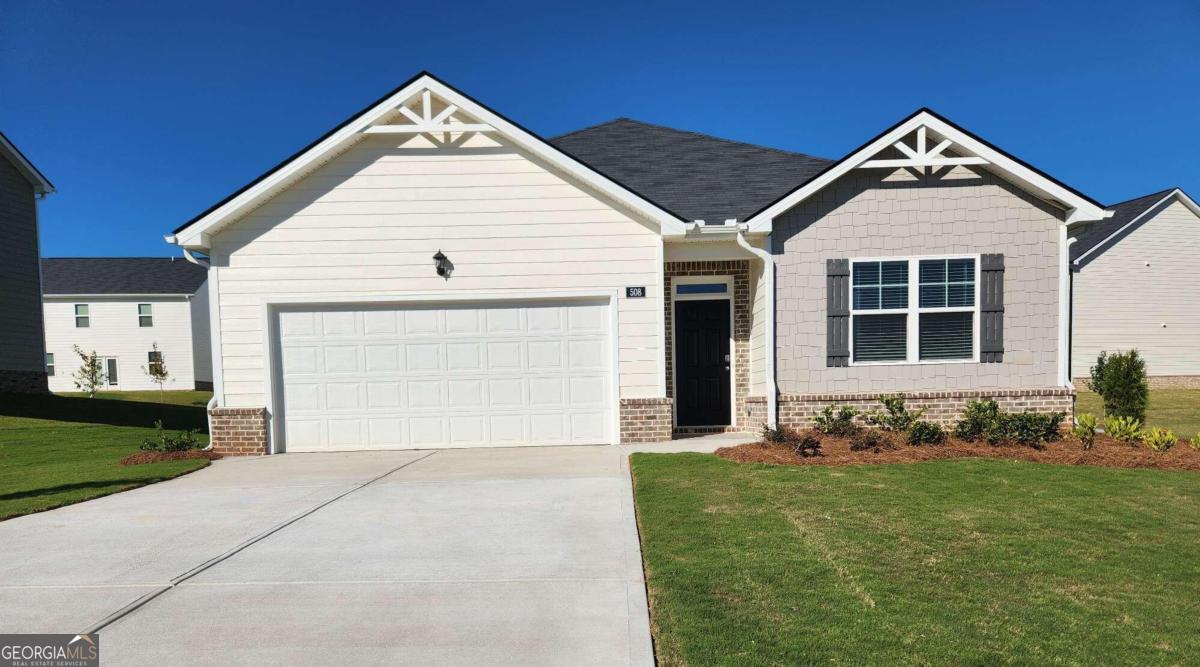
(443, 264)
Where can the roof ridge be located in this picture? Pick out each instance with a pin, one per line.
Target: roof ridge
(695, 134)
(1160, 193)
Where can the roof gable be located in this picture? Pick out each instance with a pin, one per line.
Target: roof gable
(120, 275)
(41, 184)
(697, 176)
(427, 106)
(936, 135)
(1127, 216)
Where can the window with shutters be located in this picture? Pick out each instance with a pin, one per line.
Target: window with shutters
(918, 310)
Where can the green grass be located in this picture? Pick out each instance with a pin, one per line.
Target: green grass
(58, 450)
(966, 562)
(197, 398)
(1176, 409)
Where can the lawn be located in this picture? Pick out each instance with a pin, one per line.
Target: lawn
(1176, 409)
(58, 450)
(947, 562)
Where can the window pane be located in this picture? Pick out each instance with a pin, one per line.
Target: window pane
(866, 273)
(895, 297)
(111, 367)
(961, 296)
(880, 337)
(143, 309)
(960, 270)
(933, 296)
(702, 288)
(895, 273)
(81, 309)
(946, 335)
(145, 321)
(866, 298)
(81, 322)
(933, 271)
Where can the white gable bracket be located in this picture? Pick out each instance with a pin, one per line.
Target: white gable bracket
(921, 157)
(427, 122)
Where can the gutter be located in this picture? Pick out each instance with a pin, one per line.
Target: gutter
(212, 403)
(769, 273)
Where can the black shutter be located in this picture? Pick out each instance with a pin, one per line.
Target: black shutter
(837, 303)
(991, 309)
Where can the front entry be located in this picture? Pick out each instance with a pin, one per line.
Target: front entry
(702, 363)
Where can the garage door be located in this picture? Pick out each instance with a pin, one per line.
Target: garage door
(446, 376)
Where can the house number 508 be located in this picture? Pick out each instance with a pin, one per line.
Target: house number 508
(635, 292)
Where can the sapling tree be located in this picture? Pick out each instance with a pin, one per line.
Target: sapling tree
(156, 369)
(90, 376)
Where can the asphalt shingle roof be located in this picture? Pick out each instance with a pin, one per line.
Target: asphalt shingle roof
(1094, 233)
(695, 176)
(121, 275)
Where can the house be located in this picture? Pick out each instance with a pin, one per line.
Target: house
(121, 308)
(21, 341)
(1130, 292)
(431, 274)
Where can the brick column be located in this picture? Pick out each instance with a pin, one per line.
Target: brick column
(645, 420)
(239, 431)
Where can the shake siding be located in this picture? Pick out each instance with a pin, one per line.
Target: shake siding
(367, 223)
(20, 274)
(114, 332)
(870, 213)
(1124, 297)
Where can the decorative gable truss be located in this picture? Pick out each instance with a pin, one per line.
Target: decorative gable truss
(441, 123)
(923, 157)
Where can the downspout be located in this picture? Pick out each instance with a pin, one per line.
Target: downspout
(212, 402)
(1064, 307)
(769, 274)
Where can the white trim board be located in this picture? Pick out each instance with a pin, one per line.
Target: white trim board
(728, 295)
(1151, 211)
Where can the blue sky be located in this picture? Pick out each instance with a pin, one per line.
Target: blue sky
(144, 114)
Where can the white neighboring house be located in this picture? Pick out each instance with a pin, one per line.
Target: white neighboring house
(120, 307)
(1134, 287)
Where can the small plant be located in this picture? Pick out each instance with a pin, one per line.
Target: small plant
(90, 376)
(897, 418)
(156, 369)
(1194, 443)
(1085, 429)
(164, 441)
(837, 421)
(1031, 428)
(926, 433)
(1126, 429)
(806, 443)
(1120, 379)
(871, 440)
(978, 418)
(1159, 439)
(774, 434)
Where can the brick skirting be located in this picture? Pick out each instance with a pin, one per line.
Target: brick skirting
(239, 431)
(23, 382)
(645, 420)
(943, 407)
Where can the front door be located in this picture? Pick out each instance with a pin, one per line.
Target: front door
(702, 363)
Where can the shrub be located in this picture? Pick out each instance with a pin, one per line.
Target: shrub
(807, 443)
(837, 421)
(1123, 428)
(1085, 429)
(926, 433)
(897, 418)
(776, 435)
(978, 418)
(1194, 443)
(1159, 439)
(985, 420)
(165, 442)
(1120, 379)
(871, 440)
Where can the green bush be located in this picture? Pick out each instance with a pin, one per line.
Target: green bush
(1159, 439)
(807, 443)
(897, 418)
(871, 440)
(978, 418)
(1085, 429)
(984, 420)
(1123, 428)
(837, 421)
(1194, 443)
(163, 441)
(776, 435)
(1120, 379)
(926, 433)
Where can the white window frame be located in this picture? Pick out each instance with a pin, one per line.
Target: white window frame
(108, 380)
(150, 314)
(734, 417)
(87, 315)
(914, 310)
(51, 367)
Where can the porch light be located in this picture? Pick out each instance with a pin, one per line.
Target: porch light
(443, 265)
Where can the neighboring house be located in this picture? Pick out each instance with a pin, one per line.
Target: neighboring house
(1135, 288)
(431, 274)
(119, 308)
(21, 340)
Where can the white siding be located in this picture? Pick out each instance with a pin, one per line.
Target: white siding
(366, 224)
(114, 332)
(1143, 292)
(201, 335)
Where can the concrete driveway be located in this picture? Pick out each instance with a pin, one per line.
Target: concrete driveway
(459, 556)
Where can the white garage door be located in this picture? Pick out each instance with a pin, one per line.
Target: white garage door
(446, 376)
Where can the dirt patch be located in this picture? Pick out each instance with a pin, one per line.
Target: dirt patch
(156, 457)
(1107, 452)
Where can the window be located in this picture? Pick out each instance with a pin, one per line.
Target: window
(154, 358)
(895, 319)
(145, 315)
(110, 371)
(701, 288)
(82, 320)
(49, 364)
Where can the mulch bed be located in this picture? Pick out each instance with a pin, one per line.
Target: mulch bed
(156, 457)
(1106, 452)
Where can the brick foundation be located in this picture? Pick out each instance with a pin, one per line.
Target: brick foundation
(943, 407)
(239, 431)
(756, 408)
(645, 420)
(1157, 382)
(23, 382)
